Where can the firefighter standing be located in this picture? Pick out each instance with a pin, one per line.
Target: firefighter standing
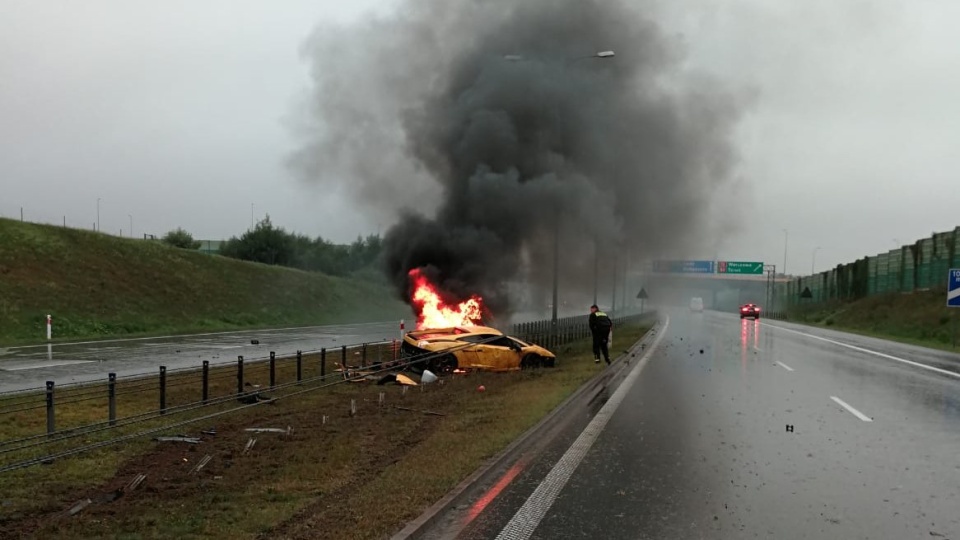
(600, 327)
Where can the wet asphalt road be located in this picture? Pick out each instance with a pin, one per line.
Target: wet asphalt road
(699, 446)
(30, 366)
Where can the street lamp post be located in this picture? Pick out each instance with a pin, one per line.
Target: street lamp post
(596, 268)
(613, 296)
(786, 234)
(554, 321)
(556, 270)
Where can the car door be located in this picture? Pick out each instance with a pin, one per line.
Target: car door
(501, 354)
(472, 355)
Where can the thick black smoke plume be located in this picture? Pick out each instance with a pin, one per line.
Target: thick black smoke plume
(489, 127)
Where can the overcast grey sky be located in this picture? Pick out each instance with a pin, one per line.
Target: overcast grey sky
(177, 113)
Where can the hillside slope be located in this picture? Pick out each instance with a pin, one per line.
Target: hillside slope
(921, 317)
(97, 285)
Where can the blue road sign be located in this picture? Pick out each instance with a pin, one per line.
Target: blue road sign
(953, 288)
(684, 267)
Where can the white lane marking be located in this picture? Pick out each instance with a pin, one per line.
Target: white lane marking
(868, 351)
(528, 517)
(855, 412)
(784, 366)
(41, 366)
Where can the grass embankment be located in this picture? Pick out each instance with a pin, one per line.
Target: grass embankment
(346, 477)
(919, 318)
(97, 285)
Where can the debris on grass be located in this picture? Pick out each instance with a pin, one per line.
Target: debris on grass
(253, 397)
(405, 380)
(110, 497)
(250, 445)
(287, 431)
(201, 464)
(181, 438)
(77, 508)
(135, 483)
(431, 413)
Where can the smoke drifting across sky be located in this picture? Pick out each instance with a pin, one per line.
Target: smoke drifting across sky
(478, 157)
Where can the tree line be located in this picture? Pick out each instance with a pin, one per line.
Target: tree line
(268, 244)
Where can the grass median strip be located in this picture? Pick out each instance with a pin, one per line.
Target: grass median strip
(332, 476)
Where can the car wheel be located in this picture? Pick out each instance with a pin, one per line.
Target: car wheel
(445, 364)
(549, 362)
(530, 361)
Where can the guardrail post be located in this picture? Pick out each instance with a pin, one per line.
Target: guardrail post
(112, 398)
(205, 392)
(323, 363)
(363, 356)
(51, 426)
(240, 375)
(273, 369)
(163, 389)
(299, 366)
(343, 357)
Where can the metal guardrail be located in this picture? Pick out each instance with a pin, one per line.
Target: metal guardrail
(215, 394)
(567, 329)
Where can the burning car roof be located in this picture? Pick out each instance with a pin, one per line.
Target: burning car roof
(428, 333)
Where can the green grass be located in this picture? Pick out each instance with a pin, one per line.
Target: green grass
(99, 286)
(360, 477)
(919, 318)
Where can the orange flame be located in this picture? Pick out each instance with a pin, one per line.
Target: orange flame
(433, 312)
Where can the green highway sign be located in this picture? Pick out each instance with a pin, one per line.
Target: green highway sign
(740, 267)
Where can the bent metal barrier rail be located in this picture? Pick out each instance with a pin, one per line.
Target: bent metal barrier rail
(190, 395)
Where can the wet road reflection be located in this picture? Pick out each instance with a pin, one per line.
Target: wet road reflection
(741, 429)
(30, 366)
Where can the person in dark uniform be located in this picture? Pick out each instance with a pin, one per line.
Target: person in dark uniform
(600, 327)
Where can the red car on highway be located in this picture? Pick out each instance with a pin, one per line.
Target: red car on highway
(750, 310)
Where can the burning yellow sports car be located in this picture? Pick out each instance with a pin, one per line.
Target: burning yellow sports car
(474, 348)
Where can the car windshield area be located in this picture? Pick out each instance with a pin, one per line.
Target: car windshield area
(478, 338)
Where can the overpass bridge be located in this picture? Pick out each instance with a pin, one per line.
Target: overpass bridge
(724, 292)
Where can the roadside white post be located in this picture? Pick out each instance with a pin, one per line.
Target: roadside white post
(402, 326)
(49, 327)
